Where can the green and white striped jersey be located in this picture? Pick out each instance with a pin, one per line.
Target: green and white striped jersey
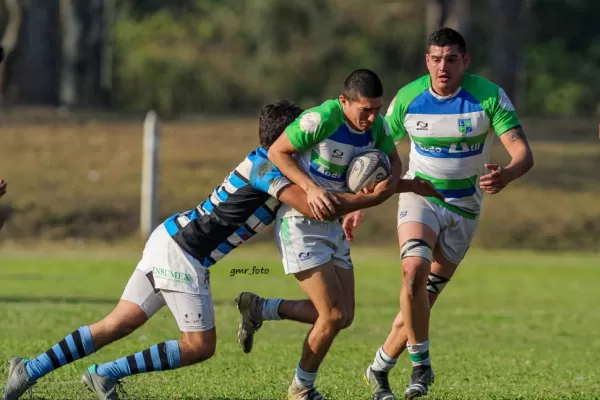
(326, 144)
(451, 137)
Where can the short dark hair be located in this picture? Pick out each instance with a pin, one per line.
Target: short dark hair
(362, 83)
(447, 37)
(274, 118)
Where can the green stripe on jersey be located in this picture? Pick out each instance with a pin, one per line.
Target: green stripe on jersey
(331, 167)
(449, 184)
(448, 141)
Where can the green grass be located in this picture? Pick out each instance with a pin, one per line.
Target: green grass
(509, 326)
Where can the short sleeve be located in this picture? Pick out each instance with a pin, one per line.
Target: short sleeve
(395, 118)
(267, 178)
(314, 126)
(503, 114)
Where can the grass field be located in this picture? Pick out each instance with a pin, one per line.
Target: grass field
(509, 326)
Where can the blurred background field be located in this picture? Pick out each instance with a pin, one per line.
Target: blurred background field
(79, 181)
(80, 76)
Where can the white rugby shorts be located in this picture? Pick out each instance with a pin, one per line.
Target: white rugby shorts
(455, 232)
(167, 275)
(305, 243)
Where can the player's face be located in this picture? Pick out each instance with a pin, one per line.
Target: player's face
(363, 112)
(446, 66)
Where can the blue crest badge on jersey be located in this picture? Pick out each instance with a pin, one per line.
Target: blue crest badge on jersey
(465, 126)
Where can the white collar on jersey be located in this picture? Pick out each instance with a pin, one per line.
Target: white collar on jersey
(437, 96)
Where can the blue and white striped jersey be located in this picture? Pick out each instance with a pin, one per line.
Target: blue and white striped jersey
(243, 205)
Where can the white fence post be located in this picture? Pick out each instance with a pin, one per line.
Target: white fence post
(149, 195)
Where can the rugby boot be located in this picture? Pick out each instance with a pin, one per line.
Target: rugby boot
(420, 379)
(250, 308)
(18, 380)
(299, 392)
(105, 388)
(379, 384)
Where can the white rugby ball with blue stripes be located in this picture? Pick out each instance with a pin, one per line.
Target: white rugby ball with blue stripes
(367, 169)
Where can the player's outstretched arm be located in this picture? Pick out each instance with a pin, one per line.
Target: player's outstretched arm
(419, 186)
(320, 201)
(517, 146)
(295, 197)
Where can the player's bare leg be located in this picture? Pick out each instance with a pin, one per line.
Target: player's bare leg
(123, 320)
(417, 242)
(254, 310)
(441, 269)
(302, 311)
(346, 279)
(23, 373)
(323, 287)
(387, 355)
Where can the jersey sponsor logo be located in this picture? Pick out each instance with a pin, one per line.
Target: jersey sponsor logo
(173, 276)
(422, 126)
(327, 169)
(455, 150)
(325, 173)
(309, 122)
(465, 125)
(505, 102)
(431, 149)
(464, 148)
(337, 153)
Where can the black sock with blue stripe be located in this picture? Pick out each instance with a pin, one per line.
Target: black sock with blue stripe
(160, 357)
(77, 345)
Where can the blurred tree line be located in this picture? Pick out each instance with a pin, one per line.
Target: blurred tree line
(222, 56)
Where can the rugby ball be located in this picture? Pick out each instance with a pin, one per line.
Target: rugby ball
(367, 169)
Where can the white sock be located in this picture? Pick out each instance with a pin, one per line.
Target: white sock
(419, 353)
(269, 310)
(383, 362)
(305, 379)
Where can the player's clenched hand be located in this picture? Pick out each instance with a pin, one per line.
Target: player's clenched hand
(321, 202)
(496, 180)
(2, 187)
(351, 221)
(423, 187)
